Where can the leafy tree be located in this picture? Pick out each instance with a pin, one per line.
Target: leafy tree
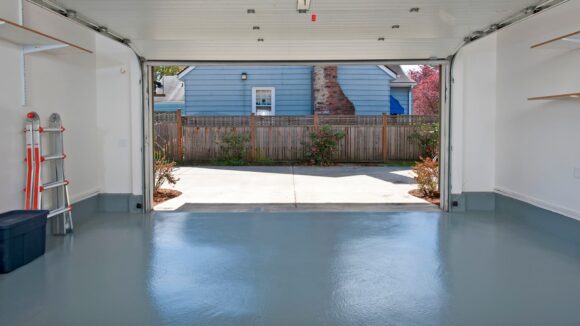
(427, 137)
(167, 70)
(426, 95)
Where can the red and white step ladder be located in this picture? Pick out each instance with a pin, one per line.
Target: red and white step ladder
(36, 163)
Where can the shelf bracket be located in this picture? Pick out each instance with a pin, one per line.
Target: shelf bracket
(40, 48)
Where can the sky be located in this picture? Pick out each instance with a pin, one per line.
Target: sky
(406, 68)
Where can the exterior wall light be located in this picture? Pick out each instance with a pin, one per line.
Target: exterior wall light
(244, 76)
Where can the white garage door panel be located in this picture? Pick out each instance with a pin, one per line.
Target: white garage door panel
(222, 29)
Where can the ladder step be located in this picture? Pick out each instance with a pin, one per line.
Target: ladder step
(59, 211)
(51, 129)
(54, 185)
(54, 157)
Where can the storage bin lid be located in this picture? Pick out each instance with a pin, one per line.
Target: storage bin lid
(20, 221)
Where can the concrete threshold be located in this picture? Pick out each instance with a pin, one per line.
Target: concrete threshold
(308, 207)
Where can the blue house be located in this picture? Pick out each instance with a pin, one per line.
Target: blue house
(296, 90)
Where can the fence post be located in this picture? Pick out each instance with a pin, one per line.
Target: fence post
(315, 122)
(252, 137)
(179, 135)
(385, 139)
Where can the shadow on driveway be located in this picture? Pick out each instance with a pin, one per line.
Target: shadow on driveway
(292, 186)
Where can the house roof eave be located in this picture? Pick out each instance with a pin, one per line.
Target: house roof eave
(185, 72)
(388, 71)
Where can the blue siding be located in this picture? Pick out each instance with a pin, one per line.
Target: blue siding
(211, 90)
(167, 106)
(402, 95)
(367, 87)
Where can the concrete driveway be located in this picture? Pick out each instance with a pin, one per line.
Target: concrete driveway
(292, 185)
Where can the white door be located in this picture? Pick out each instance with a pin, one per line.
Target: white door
(264, 100)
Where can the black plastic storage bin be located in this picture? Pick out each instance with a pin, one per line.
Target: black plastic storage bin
(22, 238)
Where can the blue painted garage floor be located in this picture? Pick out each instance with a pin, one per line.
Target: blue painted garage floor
(424, 268)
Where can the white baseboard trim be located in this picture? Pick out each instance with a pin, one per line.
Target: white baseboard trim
(539, 203)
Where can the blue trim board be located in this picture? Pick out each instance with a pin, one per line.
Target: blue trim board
(82, 211)
(473, 201)
(506, 207)
(106, 203)
(558, 225)
(85, 209)
(119, 203)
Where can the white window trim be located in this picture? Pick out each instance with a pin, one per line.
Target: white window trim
(272, 89)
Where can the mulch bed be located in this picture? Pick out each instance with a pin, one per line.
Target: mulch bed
(164, 195)
(433, 200)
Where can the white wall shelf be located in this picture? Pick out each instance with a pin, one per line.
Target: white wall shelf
(34, 41)
(565, 42)
(556, 97)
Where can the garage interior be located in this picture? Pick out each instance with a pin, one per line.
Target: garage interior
(504, 249)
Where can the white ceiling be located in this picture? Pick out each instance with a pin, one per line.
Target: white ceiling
(345, 30)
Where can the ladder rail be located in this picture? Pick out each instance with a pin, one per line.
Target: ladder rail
(28, 192)
(63, 221)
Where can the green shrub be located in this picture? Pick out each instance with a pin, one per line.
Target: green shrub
(323, 145)
(234, 147)
(426, 135)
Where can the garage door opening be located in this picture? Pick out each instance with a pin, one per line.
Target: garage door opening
(251, 136)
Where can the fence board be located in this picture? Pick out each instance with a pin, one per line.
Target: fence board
(283, 138)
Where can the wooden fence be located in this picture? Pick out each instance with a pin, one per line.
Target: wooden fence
(282, 138)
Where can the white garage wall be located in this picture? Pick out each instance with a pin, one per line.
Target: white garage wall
(502, 142)
(538, 142)
(103, 155)
(473, 117)
(11, 141)
(11, 124)
(10, 9)
(71, 92)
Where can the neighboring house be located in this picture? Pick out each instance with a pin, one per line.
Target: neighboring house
(170, 94)
(401, 92)
(296, 90)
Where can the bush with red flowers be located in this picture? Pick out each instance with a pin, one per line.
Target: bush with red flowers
(323, 145)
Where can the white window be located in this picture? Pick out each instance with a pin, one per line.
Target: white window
(264, 100)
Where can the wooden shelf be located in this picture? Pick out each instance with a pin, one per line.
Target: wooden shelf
(556, 97)
(566, 42)
(34, 41)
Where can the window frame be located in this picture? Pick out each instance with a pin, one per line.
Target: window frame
(272, 89)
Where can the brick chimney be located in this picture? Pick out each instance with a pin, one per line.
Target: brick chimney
(327, 94)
